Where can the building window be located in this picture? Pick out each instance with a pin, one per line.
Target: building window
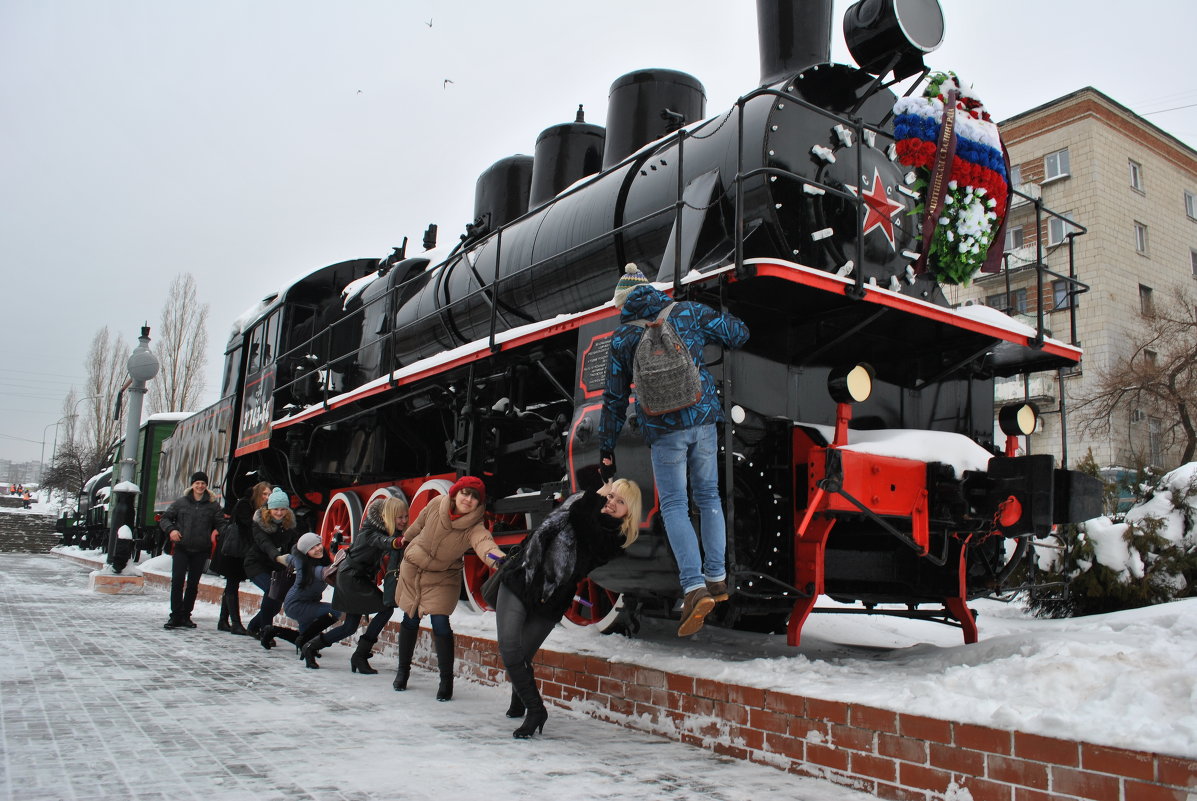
(1015, 175)
(1136, 176)
(1061, 297)
(1058, 228)
(1014, 238)
(1014, 303)
(1191, 205)
(1193, 260)
(1152, 357)
(1145, 306)
(1055, 165)
(1155, 430)
(1140, 239)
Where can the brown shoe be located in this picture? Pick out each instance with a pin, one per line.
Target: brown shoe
(718, 590)
(697, 605)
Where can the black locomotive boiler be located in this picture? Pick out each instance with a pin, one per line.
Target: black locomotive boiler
(790, 210)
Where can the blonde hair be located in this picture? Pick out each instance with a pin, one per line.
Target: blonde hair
(391, 509)
(630, 492)
(260, 488)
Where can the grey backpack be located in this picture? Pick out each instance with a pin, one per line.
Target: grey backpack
(665, 374)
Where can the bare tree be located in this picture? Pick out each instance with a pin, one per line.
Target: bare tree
(180, 344)
(1157, 381)
(107, 371)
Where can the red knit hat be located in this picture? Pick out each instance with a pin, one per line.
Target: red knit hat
(469, 482)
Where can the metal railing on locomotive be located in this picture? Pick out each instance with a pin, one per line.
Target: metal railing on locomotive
(319, 344)
(1074, 288)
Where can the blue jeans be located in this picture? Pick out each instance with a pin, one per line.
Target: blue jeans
(692, 452)
(440, 624)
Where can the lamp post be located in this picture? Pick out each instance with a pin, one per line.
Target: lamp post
(41, 461)
(74, 409)
(142, 366)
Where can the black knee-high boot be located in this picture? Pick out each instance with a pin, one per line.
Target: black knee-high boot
(407, 647)
(222, 624)
(317, 626)
(444, 660)
(360, 661)
(517, 708)
(524, 684)
(233, 605)
(311, 650)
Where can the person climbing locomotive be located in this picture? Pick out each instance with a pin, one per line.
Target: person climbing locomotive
(357, 592)
(190, 523)
(683, 443)
(230, 560)
(274, 534)
(430, 574)
(588, 530)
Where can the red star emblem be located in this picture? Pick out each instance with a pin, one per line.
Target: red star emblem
(879, 209)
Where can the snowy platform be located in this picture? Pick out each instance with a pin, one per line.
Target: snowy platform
(1097, 708)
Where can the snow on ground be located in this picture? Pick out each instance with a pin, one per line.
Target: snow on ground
(1124, 679)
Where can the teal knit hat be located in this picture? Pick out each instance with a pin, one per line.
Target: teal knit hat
(631, 279)
(278, 499)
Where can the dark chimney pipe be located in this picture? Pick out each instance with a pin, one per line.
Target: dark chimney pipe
(793, 35)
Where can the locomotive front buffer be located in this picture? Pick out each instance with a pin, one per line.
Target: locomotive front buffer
(880, 529)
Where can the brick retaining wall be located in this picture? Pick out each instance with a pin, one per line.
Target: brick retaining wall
(892, 755)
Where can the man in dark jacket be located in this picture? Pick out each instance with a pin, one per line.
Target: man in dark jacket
(684, 444)
(189, 523)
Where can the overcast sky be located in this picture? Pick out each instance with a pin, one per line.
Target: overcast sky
(250, 141)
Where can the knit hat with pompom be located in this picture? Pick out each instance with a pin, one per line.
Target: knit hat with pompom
(631, 279)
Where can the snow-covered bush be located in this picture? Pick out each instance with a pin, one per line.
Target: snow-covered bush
(1149, 558)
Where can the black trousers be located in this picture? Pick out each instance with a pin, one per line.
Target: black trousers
(186, 567)
(520, 632)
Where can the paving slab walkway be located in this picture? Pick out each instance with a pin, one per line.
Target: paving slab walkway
(97, 701)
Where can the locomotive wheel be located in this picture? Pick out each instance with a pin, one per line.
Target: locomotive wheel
(609, 612)
(340, 521)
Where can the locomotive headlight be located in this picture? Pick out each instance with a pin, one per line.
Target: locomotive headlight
(851, 384)
(885, 35)
(738, 415)
(1018, 419)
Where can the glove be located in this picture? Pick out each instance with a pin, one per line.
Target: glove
(281, 559)
(607, 465)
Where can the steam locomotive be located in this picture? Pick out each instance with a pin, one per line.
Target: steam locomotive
(859, 458)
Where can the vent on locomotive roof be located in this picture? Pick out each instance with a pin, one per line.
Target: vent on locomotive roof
(565, 154)
(645, 105)
(501, 194)
(793, 35)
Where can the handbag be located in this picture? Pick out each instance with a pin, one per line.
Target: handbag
(330, 572)
(490, 588)
(280, 581)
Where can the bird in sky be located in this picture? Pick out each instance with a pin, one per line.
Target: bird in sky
(428, 23)
(445, 85)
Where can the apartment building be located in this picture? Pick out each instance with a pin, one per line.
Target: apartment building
(1124, 197)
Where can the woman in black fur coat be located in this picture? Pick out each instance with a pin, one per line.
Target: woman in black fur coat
(589, 529)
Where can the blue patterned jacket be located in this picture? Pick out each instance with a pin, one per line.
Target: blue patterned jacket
(698, 325)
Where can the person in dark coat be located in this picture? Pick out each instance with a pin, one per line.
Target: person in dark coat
(230, 562)
(274, 535)
(589, 529)
(683, 444)
(305, 602)
(357, 592)
(190, 524)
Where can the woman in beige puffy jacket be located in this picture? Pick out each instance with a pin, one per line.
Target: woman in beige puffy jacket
(430, 574)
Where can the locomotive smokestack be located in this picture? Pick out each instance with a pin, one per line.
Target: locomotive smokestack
(793, 35)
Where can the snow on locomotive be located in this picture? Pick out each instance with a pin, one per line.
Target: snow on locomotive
(859, 459)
